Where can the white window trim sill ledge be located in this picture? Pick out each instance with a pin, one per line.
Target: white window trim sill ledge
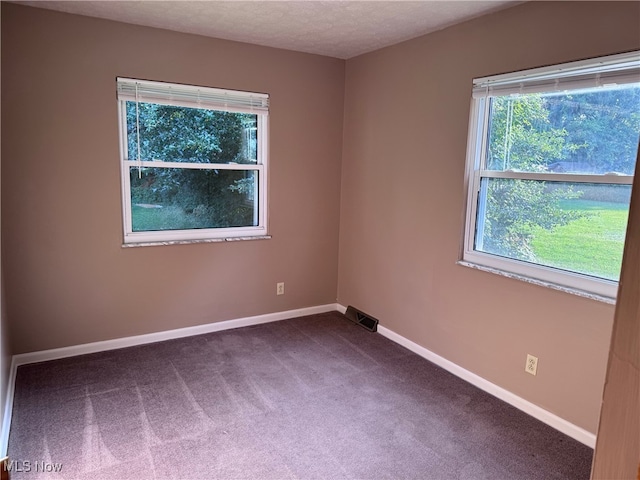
(540, 283)
(189, 242)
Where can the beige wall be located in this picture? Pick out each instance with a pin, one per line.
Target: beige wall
(406, 118)
(5, 347)
(68, 281)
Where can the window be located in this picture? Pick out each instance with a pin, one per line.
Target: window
(194, 162)
(550, 163)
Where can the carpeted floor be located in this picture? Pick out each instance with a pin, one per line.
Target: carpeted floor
(311, 398)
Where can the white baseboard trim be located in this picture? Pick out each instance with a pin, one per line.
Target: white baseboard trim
(72, 351)
(94, 347)
(535, 411)
(8, 409)
(554, 421)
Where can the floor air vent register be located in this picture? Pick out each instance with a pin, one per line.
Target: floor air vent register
(362, 319)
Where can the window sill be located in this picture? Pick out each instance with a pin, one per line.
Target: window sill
(188, 242)
(541, 283)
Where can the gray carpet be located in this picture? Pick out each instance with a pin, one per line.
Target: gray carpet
(312, 397)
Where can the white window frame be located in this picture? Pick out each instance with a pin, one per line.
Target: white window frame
(194, 97)
(603, 71)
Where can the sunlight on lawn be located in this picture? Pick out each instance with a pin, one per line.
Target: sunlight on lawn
(592, 245)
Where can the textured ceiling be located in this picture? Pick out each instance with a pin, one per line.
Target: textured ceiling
(336, 28)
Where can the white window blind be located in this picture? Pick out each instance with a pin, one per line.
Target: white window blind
(607, 72)
(193, 97)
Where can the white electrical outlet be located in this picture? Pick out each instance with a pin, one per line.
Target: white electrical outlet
(531, 365)
(280, 288)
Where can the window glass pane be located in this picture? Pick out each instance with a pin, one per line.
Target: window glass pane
(591, 131)
(572, 226)
(178, 199)
(181, 134)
